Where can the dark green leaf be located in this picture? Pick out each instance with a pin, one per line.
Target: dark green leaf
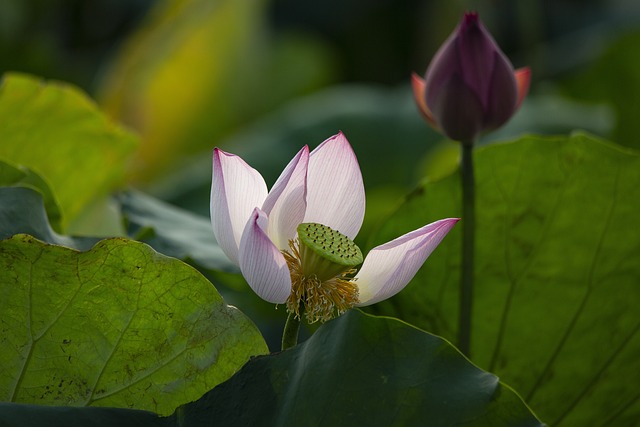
(173, 231)
(20, 176)
(557, 272)
(21, 415)
(22, 210)
(363, 370)
(119, 325)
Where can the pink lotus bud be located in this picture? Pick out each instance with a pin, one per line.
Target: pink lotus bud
(470, 86)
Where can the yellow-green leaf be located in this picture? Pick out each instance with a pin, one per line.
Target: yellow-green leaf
(58, 132)
(119, 325)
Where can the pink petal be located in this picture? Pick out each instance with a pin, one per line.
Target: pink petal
(389, 267)
(335, 192)
(236, 189)
(261, 262)
(286, 203)
(523, 79)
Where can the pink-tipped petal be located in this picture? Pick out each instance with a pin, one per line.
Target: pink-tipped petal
(335, 191)
(523, 80)
(389, 267)
(286, 203)
(236, 189)
(419, 94)
(261, 262)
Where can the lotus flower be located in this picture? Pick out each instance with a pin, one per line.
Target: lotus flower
(470, 87)
(294, 243)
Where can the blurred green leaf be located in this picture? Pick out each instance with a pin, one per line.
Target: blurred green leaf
(549, 114)
(173, 231)
(614, 79)
(394, 146)
(197, 69)
(22, 210)
(556, 291)
(403, 375)
(119, 325)
(20, 176)
(383, 126)
(544, 114)
(59, 133)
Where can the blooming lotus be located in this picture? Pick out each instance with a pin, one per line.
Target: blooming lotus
(470, 86)
(294, 243)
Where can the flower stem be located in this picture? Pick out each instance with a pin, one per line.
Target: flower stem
(468, 239)
(291, 329)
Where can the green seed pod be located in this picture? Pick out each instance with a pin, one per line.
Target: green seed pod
(325, 252)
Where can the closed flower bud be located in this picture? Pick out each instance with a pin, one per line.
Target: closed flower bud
(470, 87)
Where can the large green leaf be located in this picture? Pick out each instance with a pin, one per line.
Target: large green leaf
(363, 370)
(119, 325)
(355, 370)
(59, 133)
(556, 277)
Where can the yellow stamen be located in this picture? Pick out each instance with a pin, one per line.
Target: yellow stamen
(322, 299)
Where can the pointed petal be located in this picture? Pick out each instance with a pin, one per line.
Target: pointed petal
(479, 54)
(236, 189)
(444, 64)
(261, 262)
(503, 92)
(388, 268)
(286, 203)
(335, 191)
(419, 94)
(523, 79)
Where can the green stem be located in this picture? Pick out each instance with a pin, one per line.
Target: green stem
(468, 239)
(290, 333)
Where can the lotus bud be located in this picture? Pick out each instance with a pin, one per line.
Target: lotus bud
(470, 86)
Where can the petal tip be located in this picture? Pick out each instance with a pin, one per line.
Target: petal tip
(523, 81)
(418, 85)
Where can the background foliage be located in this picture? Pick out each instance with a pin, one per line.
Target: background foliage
(557, 274)
(553, 273)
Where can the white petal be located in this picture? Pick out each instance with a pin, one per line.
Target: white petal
(335, 192)
(261, 262)
(389, 267)
(286, 203)
(236, 189)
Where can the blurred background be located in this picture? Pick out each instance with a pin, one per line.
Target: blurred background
(262, 78)
(188, 75)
